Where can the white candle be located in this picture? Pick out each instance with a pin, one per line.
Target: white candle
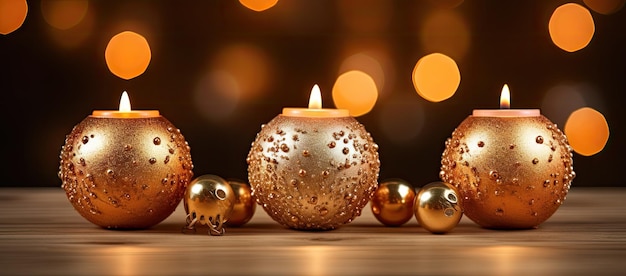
(504, 111)
(315, 109)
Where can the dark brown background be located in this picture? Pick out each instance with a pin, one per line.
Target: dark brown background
(47, 89)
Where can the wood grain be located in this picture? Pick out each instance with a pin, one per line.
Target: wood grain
(41, 234)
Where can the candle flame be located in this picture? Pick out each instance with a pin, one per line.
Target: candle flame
(124, 103)
(315, 100)
(505, 97)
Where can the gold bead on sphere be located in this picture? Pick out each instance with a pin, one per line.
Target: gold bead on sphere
(125, 173)
(244, 206)
(209, 200)
(392, 203)
(510, 172)
(313, 173)
(437, 207)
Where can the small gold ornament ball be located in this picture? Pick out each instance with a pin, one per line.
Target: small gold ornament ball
(392, 203)
(125, 173)
(510, 172)
(313, 173)
(437, 207)
(209, 200)
(244, 206)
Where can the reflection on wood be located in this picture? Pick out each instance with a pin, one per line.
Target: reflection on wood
(40, 233)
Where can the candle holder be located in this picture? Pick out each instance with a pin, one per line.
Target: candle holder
(125, 172)
(313, 173)
(510, 172)
(313, 169)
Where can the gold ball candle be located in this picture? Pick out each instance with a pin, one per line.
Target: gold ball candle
(313, 168)
(512, 167)
(125, 169)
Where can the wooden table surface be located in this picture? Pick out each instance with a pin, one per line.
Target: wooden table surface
(41, 234)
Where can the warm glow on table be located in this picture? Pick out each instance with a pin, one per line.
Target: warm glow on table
(585, 235)
(315, 108)
(504, 111)
(125, 111)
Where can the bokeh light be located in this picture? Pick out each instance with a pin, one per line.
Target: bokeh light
(258, 5)
(355, 91)
(445, 31)
(301, 17)
(446, 4)
(250, 67)
(64, 14)
(605, 6)
(148, 22)
(563, 98)
(12, 15)
(560, 101)
(125, 17)
(371, 56)
(127, 55)
(367, 64)
(436, 77)
(401, 119)
(571, 27)
(216, 95)
(76, 35)
(365, 15)
(587, 131)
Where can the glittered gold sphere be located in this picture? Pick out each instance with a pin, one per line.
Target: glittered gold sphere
(125, 173)
(209, 200)
(511, 172)
(392, 203)
(313, 173)
(244, 206)
(437, 207)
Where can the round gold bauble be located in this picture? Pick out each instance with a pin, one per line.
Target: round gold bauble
(125, 173)
(313, 173)
(437, 207)
(392, 203)
(244, 206)
(511, 172)
(209, 200)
